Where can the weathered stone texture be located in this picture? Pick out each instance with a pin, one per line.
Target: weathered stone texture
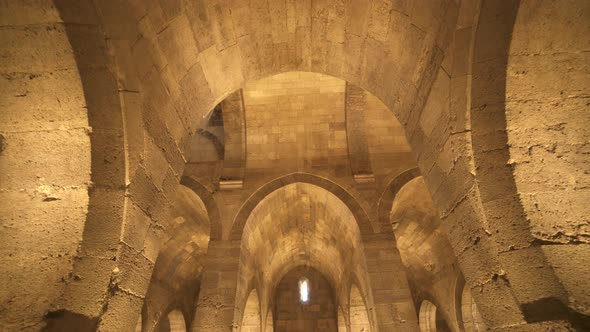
(106, 106)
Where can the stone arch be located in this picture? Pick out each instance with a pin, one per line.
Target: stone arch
(358, 313)
(488, 245)
(365, 295)
(341, 297)
(427, 316)
(344, 195)
(429, 261)
(494, 176)
(62, 144)
(391, 190)
(219, 149)
(275, 243)
(251, 319)
(431, 319)
(472, 321)
(457, 300)
(210, 204)
(178, 272)
(506, 223)
(176, 321)
(466, 312)
(220, 70)
(234, 128)
(493, 102)
(317, 313)
(298, 262)
(331, 41)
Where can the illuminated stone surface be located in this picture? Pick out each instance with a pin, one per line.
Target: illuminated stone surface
(407, 151)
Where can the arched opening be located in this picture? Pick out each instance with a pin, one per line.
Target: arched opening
(279, 138)
(176, 321)
(429, 261)
(176, 279)
(427, 317)
(304, 290)
(348, 202)
(208, 143)
(318, 313)
(429, 320)
(472, 321)
(359, 318)
(251, 320)
(155, 96)
(304, 225)
(170, 63)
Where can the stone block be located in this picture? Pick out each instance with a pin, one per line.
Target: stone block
(135, 271)
(122, 313)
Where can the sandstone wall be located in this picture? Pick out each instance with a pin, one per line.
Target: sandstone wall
(317, 315)
(430, 263)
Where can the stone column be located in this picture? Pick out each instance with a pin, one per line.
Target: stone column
(217, 297)
(393, 305)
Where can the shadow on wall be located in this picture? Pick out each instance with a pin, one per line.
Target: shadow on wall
(63, 320)
(174, 322)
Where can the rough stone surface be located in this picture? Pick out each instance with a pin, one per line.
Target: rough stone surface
(106, 107)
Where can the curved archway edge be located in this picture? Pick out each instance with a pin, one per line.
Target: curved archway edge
(391, 190)
(332, 187)
(202, 88)
(209, 202)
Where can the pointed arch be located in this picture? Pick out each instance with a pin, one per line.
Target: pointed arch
(344, 195)
(251, 319)
(427, 316)
(369, 66)
(274, 242)
(207, 198)
(318, 313)
(176, 321)
(390, 192)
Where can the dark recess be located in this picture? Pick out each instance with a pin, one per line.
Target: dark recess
(65, 321)
(548, 309)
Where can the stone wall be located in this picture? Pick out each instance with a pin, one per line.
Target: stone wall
(176, 279)
(317, 315)
(141, 75)
(62, 161)
(430, 263)
(294, 122)
(299, 224)
(547, 105)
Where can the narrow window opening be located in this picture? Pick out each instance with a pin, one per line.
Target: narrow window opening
(304, 291)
